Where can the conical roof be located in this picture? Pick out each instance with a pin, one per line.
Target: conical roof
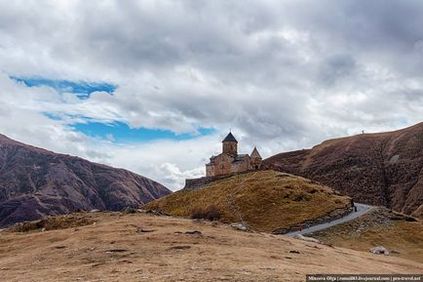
(255, 153)
(230, 138)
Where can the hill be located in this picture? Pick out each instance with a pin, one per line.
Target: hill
(380, 169)
(265, 200)
(35, 182)
(140, 247)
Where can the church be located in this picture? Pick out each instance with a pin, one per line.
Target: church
(229, 161)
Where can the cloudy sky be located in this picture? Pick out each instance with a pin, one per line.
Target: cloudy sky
(153, 86)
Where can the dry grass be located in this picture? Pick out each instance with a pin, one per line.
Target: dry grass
(115, 250)
(404, 238)
(265, 200)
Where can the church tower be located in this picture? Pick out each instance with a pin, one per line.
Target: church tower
(230, 145)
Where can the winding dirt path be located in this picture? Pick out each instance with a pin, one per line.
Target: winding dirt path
(362, 209)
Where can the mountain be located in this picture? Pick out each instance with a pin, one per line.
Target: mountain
(381, 169)
(35, 182)
(267, 201)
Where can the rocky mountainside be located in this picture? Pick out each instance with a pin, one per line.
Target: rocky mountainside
(35, 182)
(381, 169)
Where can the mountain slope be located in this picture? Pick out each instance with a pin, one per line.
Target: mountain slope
(380, 169)
(404, 238)
(267, 201)
(35, 182)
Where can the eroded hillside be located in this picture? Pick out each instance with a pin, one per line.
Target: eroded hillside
(379, 169)
(35, 182)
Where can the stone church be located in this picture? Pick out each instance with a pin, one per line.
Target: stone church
(229, 161)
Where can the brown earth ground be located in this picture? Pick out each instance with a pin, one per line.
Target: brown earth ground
(142, 247)
(378, 228)
(264, 200)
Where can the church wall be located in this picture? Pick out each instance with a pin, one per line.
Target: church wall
(210, 170)
(241, 166)
(255, 163)
(222, 165)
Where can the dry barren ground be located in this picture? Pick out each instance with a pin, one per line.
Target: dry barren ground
(141, 247)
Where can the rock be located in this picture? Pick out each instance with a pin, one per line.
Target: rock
(94, 210)
(116, 251)
(410, 219)
(156, 212)
(142, 230)
(308, 239)
(179, 248)
(294, 252)
(239, 226)
(379, 250)
(280, 231)
(129, 210)
(194, 232)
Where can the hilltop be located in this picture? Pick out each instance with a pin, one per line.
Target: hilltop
(267, 201)
(135, 247)
(380, 169)
(35, 182)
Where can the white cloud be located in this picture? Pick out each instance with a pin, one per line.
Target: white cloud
(282, 74)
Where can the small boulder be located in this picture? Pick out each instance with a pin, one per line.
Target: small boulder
(194, 232)
(94, 210)
(239, 226)
(379, 250)
(308, 239)
(143, 230)
(129, 210)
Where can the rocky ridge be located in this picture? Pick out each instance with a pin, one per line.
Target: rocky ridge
(35, 182)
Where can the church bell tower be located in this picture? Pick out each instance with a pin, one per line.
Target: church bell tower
(230, 145)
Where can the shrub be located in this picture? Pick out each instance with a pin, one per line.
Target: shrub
(210, 213)
(301, 196)
(129, 210)
(313, 190)
(53, 223)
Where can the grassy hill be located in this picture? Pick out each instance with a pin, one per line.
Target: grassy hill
(265, 200)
